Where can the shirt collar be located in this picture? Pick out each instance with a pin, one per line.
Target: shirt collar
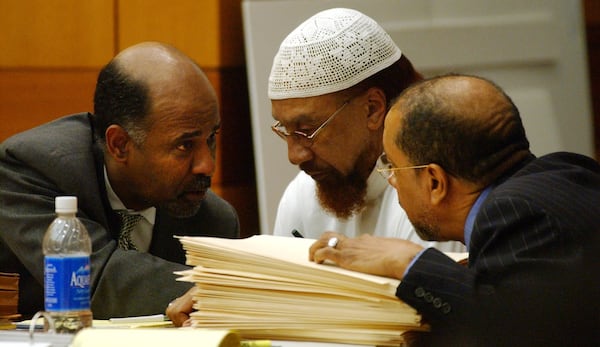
(116, 204)
(473, 213)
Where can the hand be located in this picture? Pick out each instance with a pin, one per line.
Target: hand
(387, 257)
(179, 309)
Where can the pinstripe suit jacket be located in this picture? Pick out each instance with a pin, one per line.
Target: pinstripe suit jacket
(533, 267)
(62, 158)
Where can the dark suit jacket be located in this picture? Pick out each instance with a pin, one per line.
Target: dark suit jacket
(62, 158)
(533, 267)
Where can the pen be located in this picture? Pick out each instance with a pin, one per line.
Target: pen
(296, 233)
(25, 325)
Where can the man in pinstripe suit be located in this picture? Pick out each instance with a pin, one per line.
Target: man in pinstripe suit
(458, 157)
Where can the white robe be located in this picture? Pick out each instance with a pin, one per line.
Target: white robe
(383, 216)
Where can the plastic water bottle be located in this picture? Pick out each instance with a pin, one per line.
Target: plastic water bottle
(67, 247)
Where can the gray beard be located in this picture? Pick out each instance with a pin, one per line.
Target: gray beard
(182, 208)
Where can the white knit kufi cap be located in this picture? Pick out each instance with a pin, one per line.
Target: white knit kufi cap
(333, 50)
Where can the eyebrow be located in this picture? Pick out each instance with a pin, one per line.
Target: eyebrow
(298, 120)
(196, 133)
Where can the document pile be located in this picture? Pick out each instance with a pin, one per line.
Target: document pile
(264, 287)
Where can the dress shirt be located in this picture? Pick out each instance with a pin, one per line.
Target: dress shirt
(472, 214)
(142, 233)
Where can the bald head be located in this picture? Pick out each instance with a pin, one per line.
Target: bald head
(141, 59)
(465, 96)
(466, 124)
(155, 63)
(146, 77)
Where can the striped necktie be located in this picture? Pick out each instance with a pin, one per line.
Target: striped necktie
(128, 223)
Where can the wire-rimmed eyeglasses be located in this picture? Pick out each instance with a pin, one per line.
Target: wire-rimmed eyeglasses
(305, 139)
(386, 169)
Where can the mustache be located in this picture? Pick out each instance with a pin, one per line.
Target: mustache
(309, 167)
(200, 183)
(304, 167)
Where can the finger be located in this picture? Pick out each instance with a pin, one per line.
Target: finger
(174, 313)
(180, 319)
(170, 311)
(326, 253)
(317, 245)
(321, 243)
(179, 309)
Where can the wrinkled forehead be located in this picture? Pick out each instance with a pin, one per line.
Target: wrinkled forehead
(181, 111)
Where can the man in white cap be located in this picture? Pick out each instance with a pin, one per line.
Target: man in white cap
(331, 85)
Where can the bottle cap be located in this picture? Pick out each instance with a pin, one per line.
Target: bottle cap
(65, 204)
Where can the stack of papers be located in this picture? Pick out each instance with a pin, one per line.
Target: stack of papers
(265, 287)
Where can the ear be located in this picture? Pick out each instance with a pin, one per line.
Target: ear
(437, 183)
(377, 108)
(117, 142)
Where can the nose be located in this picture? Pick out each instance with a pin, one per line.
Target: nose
(297, 153)
(204, 161)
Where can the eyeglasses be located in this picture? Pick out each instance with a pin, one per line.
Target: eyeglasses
(305, 139)
(386, 169)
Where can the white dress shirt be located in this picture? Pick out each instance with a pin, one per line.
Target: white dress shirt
(142, 233)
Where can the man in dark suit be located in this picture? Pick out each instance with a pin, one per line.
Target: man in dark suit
(149, 150)
(457, 155)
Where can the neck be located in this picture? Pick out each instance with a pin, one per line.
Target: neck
(458, 207)
(120, 185)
